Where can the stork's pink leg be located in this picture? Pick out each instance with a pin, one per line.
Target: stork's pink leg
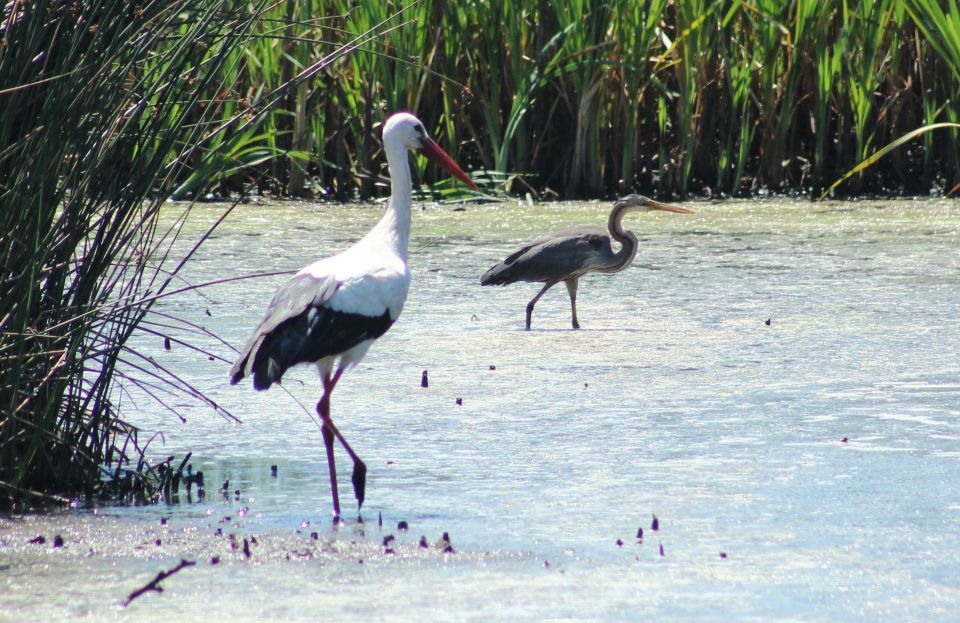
(359, 475)
(323, 409)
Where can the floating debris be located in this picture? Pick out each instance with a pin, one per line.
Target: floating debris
(444, 544)
(154, 584)
(423, 380)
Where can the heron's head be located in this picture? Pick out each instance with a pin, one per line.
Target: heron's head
(639, 203)
(405, 129)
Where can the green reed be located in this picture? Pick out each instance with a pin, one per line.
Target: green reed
(593, 98)
(102, 104)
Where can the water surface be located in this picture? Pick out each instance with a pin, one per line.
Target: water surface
(712, 384)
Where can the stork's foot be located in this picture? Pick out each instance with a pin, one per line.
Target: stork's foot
(359, 479)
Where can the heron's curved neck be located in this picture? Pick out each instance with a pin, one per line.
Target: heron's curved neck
(394, 227)
(628, 241)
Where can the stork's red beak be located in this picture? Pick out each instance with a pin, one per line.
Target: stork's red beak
(434, 152)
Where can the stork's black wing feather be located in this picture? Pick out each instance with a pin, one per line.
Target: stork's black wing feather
(299, 328)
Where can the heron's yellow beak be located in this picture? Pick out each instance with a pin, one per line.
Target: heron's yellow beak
(666, 207)
(639, 202)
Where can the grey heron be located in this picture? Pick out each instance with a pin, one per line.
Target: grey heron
(571, 253)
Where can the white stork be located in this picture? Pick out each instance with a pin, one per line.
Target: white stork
(331, 311)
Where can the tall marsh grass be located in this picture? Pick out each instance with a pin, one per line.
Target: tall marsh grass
(103, 106)
(672, 97)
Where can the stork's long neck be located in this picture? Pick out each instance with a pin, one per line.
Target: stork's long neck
(394, 228)
(628, 241)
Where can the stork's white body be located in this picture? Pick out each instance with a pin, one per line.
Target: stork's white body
(373, 275)
(331, 311)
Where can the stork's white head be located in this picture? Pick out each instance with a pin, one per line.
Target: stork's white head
(403, 129)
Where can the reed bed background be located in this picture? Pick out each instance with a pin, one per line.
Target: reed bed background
(109, 108)
(104, 105)
(581, 98)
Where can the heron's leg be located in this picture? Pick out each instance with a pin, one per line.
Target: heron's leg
(359, 476)
(572, 290)
(323, 409)
(534, 300)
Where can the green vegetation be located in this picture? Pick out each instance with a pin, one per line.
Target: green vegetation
(111, 107)
(103, 104)
(670, 97)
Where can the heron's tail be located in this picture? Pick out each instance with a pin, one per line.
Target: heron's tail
(499, 275)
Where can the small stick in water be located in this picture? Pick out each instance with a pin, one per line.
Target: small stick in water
(154, 584)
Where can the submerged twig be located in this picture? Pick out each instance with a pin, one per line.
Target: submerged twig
(154, 585)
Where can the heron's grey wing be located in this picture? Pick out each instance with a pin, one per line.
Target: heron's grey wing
(555, 257)
(292, 300)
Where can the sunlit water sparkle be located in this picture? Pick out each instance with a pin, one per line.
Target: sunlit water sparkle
(675, 399)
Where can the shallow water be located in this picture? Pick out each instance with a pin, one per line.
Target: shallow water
(675, 399)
